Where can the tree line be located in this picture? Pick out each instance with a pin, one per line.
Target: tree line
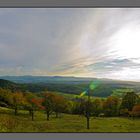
(49, 102)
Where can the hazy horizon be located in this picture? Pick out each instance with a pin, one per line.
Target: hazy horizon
(68, 77)
(79, 42)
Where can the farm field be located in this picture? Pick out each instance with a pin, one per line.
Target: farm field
(65, 123)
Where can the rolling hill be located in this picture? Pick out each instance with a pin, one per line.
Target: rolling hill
(67, 85)
(9, 84)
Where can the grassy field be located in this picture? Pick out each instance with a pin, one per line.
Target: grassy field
(73, 96)
(66, 123)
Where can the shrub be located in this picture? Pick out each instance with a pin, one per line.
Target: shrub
(136, 110)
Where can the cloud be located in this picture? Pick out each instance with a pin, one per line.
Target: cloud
(65, 41)
(113, 65)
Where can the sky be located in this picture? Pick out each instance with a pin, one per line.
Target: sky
(81, 42)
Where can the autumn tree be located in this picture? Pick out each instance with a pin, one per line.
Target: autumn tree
(33, 103)
(129, 101)
(36, 103)
(5, 97)
(136, 111)
(69, 106)
(85, 107)
(28, 106)
(111, 106)
(76, 107)
(59, 104)
(48, 103)
(97, 107)
(18, 101)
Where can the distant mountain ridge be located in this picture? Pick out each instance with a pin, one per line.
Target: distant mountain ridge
(37, 79)
(69, 85)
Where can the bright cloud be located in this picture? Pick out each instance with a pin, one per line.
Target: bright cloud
(88, 42)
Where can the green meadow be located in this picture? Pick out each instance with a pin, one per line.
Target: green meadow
(65, 123)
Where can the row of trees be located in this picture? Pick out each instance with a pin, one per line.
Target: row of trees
(50, 102)
(129, 105)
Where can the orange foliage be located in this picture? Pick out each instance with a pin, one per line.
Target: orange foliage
(136, 110)
(37, 102)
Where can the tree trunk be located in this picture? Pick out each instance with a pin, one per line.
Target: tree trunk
(48, 115)
(87, 122)
(15, 111)
(88, 110)
(30, 112)
(56, 113)
(32, 115)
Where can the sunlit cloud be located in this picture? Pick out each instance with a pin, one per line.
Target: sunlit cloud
(86, 42)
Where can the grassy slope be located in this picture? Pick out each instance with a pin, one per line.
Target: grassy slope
(67, 123)
(73, 96)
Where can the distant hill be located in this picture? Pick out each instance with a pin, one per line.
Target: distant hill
(44, 79)
(68, 85)
(6, 84)
(9, 85)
